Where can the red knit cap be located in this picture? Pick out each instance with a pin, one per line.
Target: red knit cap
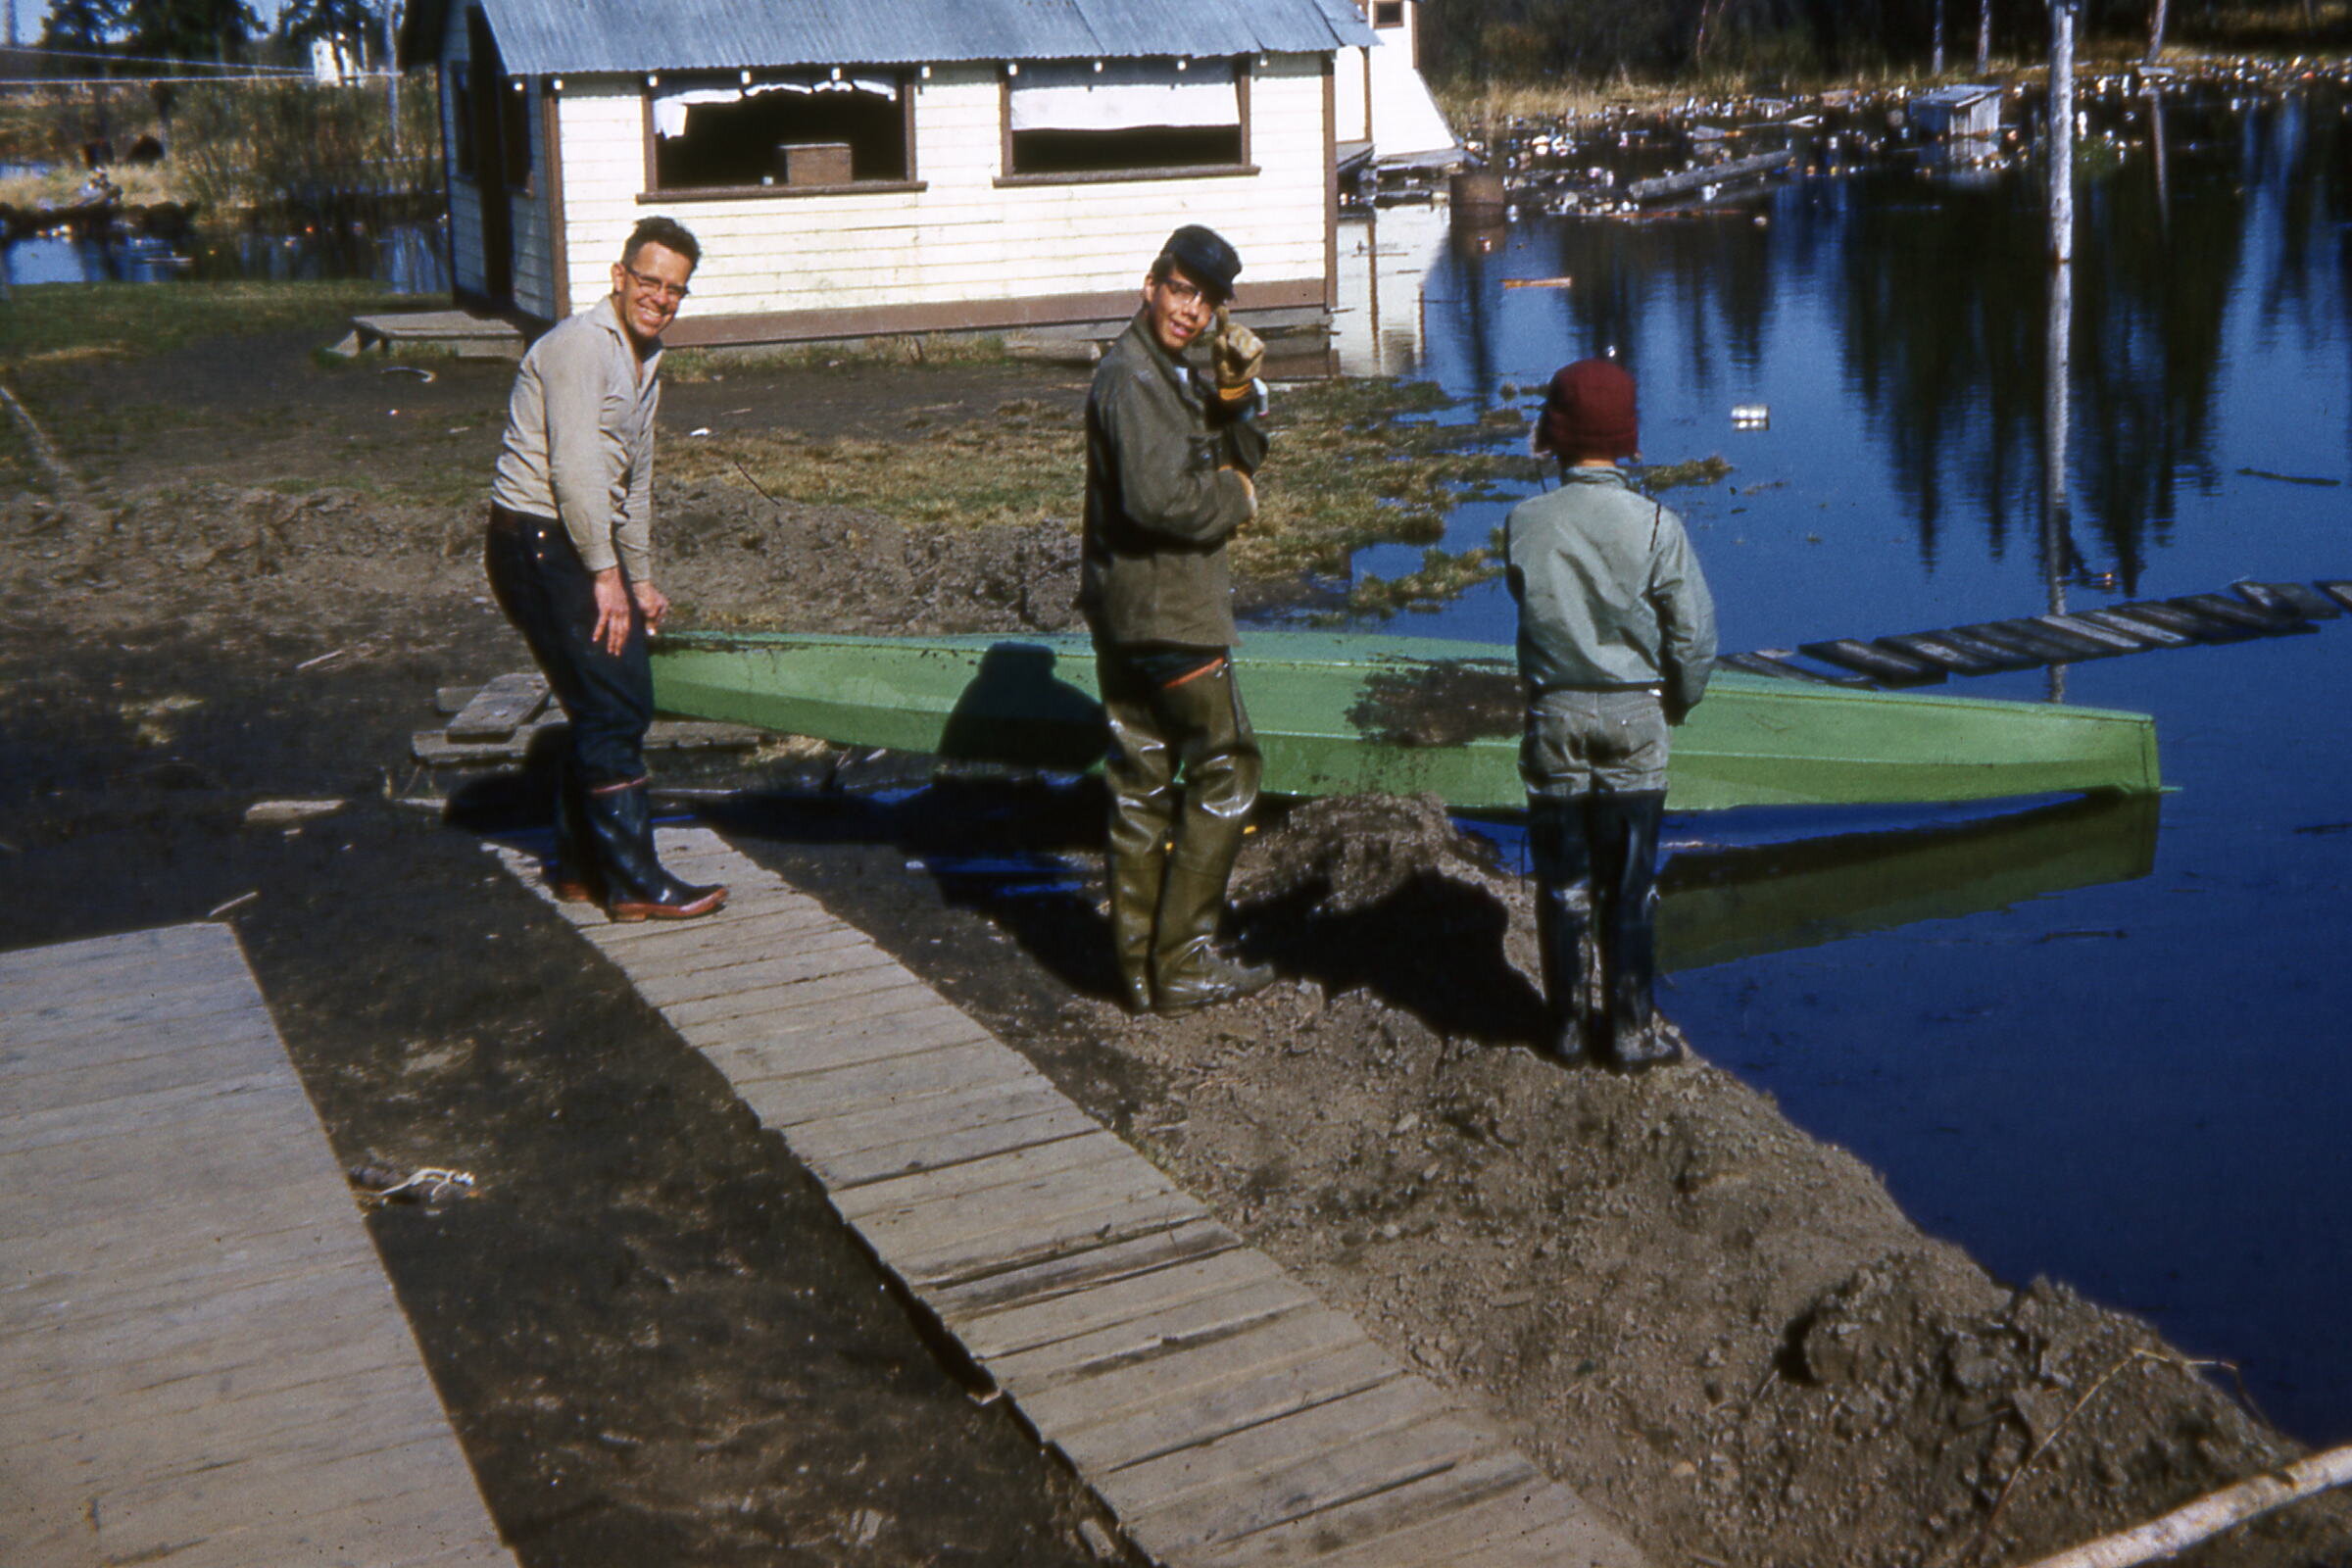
(1589, 412)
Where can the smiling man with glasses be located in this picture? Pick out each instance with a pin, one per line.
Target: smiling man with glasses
(570, 558)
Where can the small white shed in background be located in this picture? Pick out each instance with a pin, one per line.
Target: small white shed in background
(895, 166)
(1949, 113)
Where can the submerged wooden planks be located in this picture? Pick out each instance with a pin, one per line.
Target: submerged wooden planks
(1223, 1413)
(2030, 642)
(497, 722)
(201, 1362)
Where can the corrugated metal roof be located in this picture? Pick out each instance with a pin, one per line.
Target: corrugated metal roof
(540, 37)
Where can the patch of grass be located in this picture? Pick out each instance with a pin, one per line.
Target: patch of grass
(1698, 470)
(944, 348)
(1354, 462)
(57, 322)
(1445, 575)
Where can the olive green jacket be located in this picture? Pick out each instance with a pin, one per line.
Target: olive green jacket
(1159, 504)
(1610, 594)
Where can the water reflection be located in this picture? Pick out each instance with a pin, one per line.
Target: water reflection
(406, 258)
(2105, 1081)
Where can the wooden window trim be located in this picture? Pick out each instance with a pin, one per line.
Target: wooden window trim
(525, 122)
(651, 193)
(737, 193)
(1244, 168)
(1129, 176)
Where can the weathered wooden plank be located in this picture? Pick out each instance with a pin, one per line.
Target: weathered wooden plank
(907, 1158)
(765, 1000)
(495, 712)
(2023, 637)
(2237, 612)
(84, 1280)
(2091, 631)
(955, 1070)
(1126, 1390)
(1028, 1326)
(991, 1179)
(117, 1014)
(1943, 651)
(1081, 1270)
(1151, 1337)
(1168, 1423)
(938, 1262)
(57, 1081)
(1260, 1499)
(2289, 599)
(1486, 1500)
(745, 919)
(2072, 647)
(214, 1403)
(893, 1124)
(1578, 1540)
(1241, 1459)
(730, 939)
(823, 1049)
(2185, 623)
(1884, 665)
(2336, 589)
(1776, 662)
(2147, 630)
(252, 1100)
(898, 1003)
(151, 1320)
(80, 973)
(820, 960)
(1101, 1178)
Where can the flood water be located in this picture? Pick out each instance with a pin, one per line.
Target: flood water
(406, 258)
(2128, 1068)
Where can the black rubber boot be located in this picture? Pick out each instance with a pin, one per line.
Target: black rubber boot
(1563, 867)
(1624, 834)
(1221, 769)
(621, 827)
(571, 873)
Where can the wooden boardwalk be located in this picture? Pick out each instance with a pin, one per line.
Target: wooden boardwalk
(202, 1364)
(1224, 1414)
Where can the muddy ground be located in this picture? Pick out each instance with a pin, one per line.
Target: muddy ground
(656, 1346)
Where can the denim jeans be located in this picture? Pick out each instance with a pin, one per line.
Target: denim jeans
(1580, 743)
(549, 595)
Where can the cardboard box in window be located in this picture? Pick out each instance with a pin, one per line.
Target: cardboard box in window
(814, 163)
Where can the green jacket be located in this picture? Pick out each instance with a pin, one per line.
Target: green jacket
(1610, 595)
(1158, 510)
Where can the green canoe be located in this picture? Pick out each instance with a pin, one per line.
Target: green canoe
(1339, 714)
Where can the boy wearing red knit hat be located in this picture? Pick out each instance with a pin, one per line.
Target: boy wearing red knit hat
(1616, 636)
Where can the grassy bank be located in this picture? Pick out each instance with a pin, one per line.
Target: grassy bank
(54, 324)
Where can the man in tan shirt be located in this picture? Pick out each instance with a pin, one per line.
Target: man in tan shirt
(569, 555)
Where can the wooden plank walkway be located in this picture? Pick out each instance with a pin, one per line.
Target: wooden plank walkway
(202, 1364)
(1224, 1414)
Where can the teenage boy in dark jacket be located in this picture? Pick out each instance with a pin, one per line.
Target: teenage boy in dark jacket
(1616, 636)
(1170, 454)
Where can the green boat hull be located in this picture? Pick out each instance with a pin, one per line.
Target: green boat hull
(1345, 713)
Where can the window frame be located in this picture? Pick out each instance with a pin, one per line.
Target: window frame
(1244, 167)
(654, 194)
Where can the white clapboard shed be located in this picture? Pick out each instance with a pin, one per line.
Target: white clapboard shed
(887, 166)
(1386, 112)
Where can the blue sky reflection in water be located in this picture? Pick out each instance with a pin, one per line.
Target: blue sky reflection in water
(2138, 1087)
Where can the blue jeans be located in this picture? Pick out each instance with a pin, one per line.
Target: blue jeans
(549, 595)
(1580, 743)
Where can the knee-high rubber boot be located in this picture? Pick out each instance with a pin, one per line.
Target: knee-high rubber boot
(620, 826)
(1221, 769)
(1141, 771)
(1563, 865)
(1624, 830)
(572, 874)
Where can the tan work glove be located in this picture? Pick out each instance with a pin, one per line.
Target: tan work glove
(1236, 355)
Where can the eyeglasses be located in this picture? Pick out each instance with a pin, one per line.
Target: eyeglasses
(1184, 294)
(661, 288)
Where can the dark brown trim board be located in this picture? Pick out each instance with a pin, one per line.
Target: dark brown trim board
(737, 193)
(1330, 184)
(965, 316)
(559, 248)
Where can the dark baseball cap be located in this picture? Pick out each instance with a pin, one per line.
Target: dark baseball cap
(1205, 253)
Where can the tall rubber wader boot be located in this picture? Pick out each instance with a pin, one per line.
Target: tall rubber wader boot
(1563, 864)
(573, 872)
(620, 826)
(1221, 767)
(1623, 832)
(1141, 770)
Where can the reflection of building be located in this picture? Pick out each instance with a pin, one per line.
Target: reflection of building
(1385, 110)
(861, 170)
(1384, 256)
(1958, 112)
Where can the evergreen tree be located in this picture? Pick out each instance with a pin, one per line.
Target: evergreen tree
(190, 29)
(87, 26)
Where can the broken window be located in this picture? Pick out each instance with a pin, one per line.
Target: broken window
(1135, 116)
(822, 130)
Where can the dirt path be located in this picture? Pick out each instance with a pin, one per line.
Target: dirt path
(658, 1346)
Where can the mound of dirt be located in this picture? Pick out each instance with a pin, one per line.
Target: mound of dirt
(1719, 1330)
